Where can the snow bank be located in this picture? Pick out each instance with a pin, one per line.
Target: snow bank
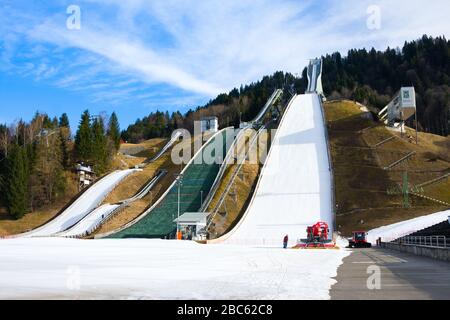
(56, 268)
(404, 228)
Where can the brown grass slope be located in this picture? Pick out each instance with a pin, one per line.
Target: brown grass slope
(361, 181)
(242, 188)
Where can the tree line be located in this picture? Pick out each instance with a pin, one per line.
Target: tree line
(238, 105)
(36, 158)
(373, 77)
(370, 77)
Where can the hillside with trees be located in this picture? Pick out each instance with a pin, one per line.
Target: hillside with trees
(37, 158)
(373, 77)
(370, 77)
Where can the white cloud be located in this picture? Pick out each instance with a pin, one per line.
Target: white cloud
(207, 47)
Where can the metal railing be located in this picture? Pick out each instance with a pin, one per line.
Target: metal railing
(427, 183)
(161, 199)
(272, 100)
(121, 206)
(223, 196)
(424, 241)
(396, 163)
(233, 152)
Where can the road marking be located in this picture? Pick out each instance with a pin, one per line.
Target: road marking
(396, 258)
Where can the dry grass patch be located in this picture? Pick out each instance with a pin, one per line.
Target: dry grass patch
(236, 201)
(361, 183)
(11, 226)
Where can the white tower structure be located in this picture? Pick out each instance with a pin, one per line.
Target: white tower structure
(314, 73)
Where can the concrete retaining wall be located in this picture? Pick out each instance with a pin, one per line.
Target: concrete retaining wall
(435, 253)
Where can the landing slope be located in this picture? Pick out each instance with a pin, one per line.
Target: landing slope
(294, 190)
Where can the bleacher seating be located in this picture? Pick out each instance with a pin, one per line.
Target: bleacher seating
(441, 229)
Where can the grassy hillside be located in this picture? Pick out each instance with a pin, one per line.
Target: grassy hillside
(361, 177)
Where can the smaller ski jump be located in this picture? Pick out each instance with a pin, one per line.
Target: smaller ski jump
(87, 202)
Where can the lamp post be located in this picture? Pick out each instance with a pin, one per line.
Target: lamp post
(201, 198)
(179, 179)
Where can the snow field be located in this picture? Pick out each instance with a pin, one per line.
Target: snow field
(59, 268)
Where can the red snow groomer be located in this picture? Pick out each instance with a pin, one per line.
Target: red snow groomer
(359, 240)
(317, 238)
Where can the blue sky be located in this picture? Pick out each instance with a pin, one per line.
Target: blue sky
(137, 56)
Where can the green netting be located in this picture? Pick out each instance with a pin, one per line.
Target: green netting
(159, 222)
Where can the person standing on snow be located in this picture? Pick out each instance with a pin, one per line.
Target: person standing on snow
(285, 241)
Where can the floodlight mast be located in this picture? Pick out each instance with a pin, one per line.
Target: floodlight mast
(179, 180)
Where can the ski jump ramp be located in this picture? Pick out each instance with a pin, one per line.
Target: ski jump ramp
(87, 202)
(82, 215)
(295, 186)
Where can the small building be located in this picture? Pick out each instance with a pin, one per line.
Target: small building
(86, 176)
(193, 225)
(209, 124)
(401, 108)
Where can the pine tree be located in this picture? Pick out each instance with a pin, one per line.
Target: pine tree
(64, 135)
(46, 123)
(16, 186)
(55, 123)
(99, 146)
(114, 131)
(83, 138)
(64, 121)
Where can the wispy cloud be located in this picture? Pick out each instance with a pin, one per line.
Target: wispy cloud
(199, 48)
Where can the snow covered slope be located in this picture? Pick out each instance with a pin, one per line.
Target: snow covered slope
(87, 202)
(58, 268)
(294, 190)
(88, 223)
(404, 228)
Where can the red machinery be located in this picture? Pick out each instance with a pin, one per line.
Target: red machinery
(317, 237)
(359, 240)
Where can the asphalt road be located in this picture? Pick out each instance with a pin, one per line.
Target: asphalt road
(401, 277)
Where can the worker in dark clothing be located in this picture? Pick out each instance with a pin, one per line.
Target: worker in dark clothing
(285, 241)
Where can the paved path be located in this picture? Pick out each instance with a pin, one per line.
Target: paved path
(403, 276)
